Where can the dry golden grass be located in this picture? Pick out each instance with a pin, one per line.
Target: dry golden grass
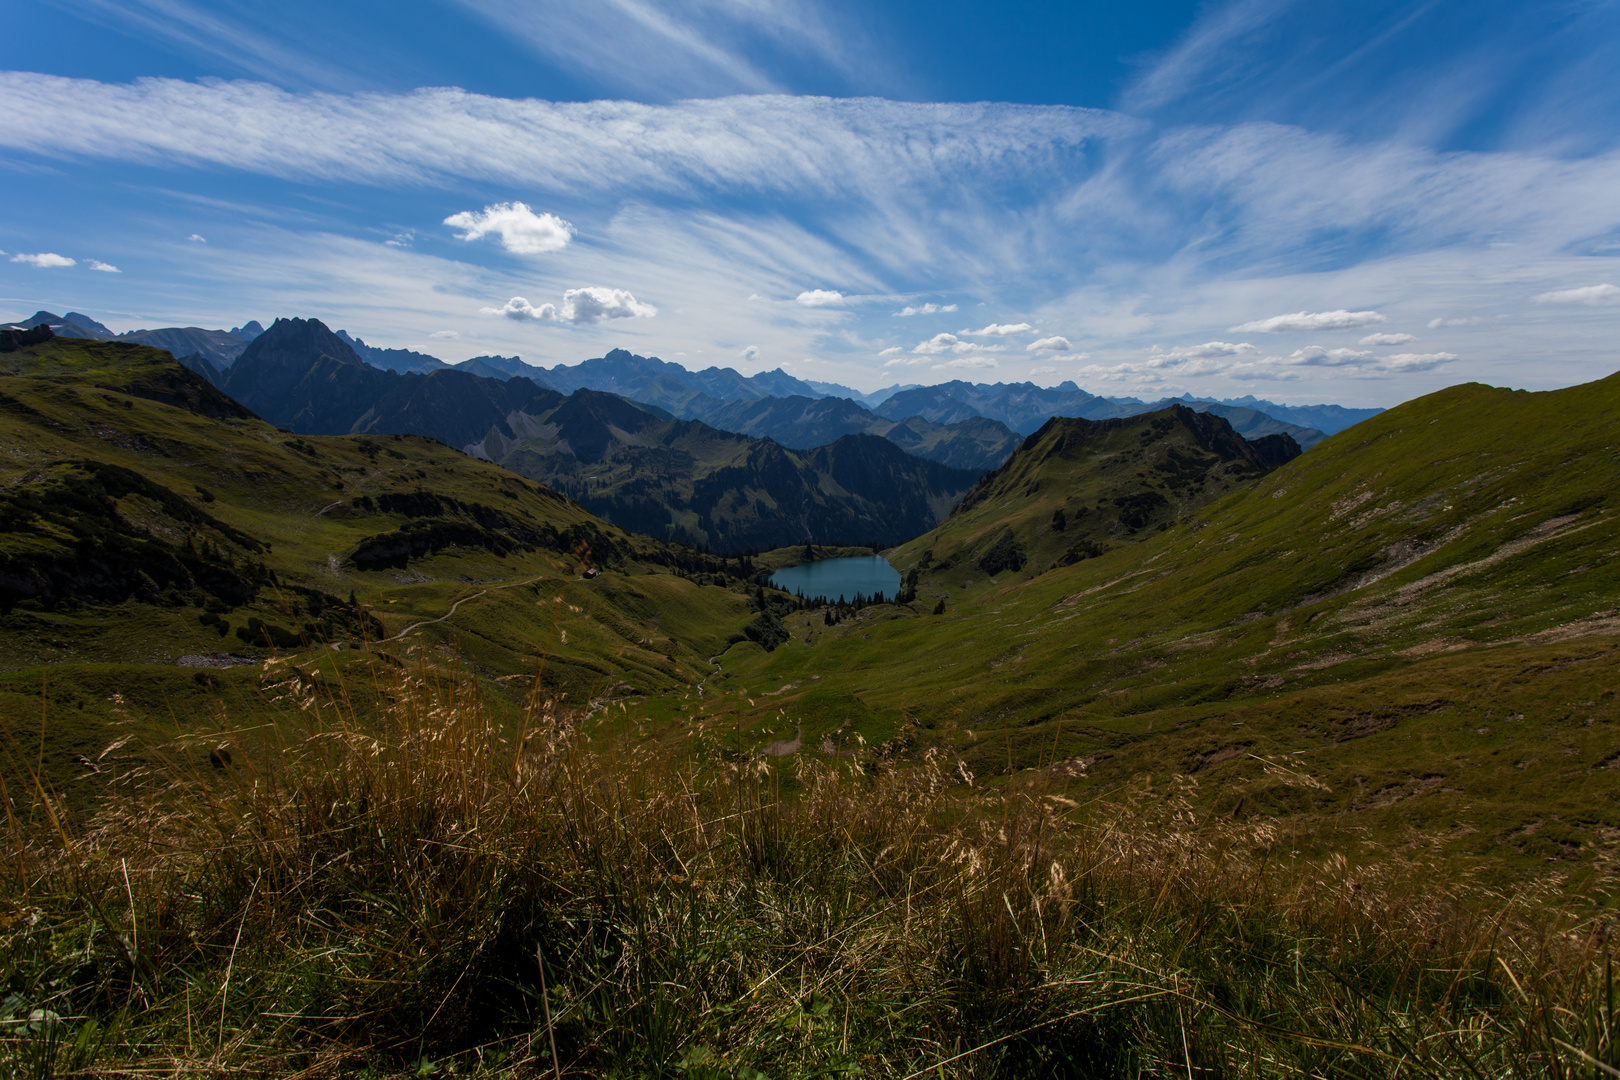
(409, 888)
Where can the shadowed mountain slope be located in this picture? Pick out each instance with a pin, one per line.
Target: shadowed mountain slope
(680, 480)
(144, 516)
(300, 375)
(1077, 488)
(685, 480)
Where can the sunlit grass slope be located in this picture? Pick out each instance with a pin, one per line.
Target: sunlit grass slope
(1409, 631)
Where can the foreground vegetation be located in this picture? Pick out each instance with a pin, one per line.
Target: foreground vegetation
(401, 884)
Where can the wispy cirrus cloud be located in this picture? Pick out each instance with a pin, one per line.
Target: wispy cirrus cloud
(687, 49)
(222, 32)
(923, 309)
(770, 144)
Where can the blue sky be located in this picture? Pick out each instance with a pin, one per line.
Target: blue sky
(1352, 202)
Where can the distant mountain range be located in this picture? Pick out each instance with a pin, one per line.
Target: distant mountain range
(965, 425)
(219, 347)
(635, 465)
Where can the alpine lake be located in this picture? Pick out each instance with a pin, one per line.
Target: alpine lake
(840, 579)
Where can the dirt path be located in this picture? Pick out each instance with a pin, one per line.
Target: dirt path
(463, 600)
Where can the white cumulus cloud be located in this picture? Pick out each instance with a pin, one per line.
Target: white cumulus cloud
(820, 298)
(1309, 321)
(892, 350)
(1317, 356)
(967, 362)
(43, 259)
(520, 309)
(950, 343)
(521, 230)
(105, 268)
(1604, 295)
(196, 239)
(1052, 344)
(444, 335)
(593, 304)
(750, 354)
(1466, 320)
(1387, 339)
(924, 309)
(1000, 330)
(1207, 351)
(1417, 361)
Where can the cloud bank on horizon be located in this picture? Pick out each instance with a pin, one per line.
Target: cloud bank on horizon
(731, 219)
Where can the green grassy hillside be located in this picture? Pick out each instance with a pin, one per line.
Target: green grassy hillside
(146, 519)
(1406, 635)
(1407, 631)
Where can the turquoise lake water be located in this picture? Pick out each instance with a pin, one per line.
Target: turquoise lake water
(841, 578)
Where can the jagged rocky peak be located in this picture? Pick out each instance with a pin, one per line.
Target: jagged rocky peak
(300, 339)
(248, 330)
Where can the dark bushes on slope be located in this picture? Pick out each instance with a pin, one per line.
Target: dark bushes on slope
(1005, 554)
(768, 630)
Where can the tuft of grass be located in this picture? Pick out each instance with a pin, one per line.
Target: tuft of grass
(400, 883)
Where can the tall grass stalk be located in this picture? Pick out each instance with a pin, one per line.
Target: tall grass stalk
(404, 885)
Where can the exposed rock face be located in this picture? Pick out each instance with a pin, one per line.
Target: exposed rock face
(12, 340)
